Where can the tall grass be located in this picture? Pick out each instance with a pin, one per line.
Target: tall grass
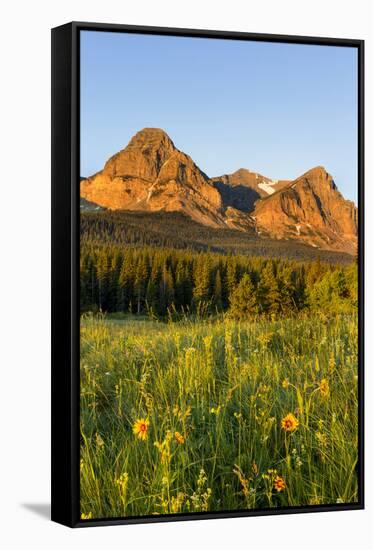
(223, 388)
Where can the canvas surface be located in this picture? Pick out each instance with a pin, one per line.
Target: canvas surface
(218, 275)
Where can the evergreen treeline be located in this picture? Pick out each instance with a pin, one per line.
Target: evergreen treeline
(175, 230)
(155, 281)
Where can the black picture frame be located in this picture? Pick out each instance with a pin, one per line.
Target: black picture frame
(65, 268)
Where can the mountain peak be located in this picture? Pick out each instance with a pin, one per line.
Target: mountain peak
(242, 171)
(143, 157)
(318, 168)
(151, 136)
(152, 174)
(319, 179)
(318, 171)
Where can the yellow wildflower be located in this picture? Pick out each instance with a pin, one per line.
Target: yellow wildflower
(122, 481)
(324, 387)
(289, 423)
(140, 428)
(179, 438)
(279, 484)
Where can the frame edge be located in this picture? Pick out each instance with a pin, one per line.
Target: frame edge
(63, 493)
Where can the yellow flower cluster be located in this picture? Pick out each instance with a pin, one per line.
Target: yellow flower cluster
(122, 482)
(180, 414)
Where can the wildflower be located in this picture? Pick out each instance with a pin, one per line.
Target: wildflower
(289, 423)
(279, 484)
(140, 428)
(264, 339)
(86, 516)
(164, 448)
(324, 387)
(81, 464)
(179, 438)
(322, 438)
(243, 480)
(200, 498)
(180, 414)
(285, 383)
(122, 481)
(215, 410)
(177, 502)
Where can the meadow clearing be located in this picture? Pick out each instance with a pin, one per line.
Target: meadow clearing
(215, 414)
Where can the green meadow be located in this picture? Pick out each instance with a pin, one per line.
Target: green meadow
(213, 414)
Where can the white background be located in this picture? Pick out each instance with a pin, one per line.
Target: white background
(25, 271)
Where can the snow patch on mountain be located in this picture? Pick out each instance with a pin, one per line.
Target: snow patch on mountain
(268, 186)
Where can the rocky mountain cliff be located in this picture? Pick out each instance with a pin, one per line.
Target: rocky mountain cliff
(151, 174)
(310, 209)
(243, 188)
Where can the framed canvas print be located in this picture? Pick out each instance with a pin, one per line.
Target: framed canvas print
(207, 276)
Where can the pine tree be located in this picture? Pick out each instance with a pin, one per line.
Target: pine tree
(202, 281)
(180, 286)
(218, 299)
(268, 290)
(151, 296)
(287, 290)
(126, 281)
(243, 300)
(103, 279)
(140, 283)
(113, 277)
(231, 278)
(167, 291)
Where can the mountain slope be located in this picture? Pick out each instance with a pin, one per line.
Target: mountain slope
(312, 210)
(243, 188)
(151, 174)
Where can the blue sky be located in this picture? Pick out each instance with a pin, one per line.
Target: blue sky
(277, 109)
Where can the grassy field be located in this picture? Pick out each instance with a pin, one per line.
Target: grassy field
(211, 415)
